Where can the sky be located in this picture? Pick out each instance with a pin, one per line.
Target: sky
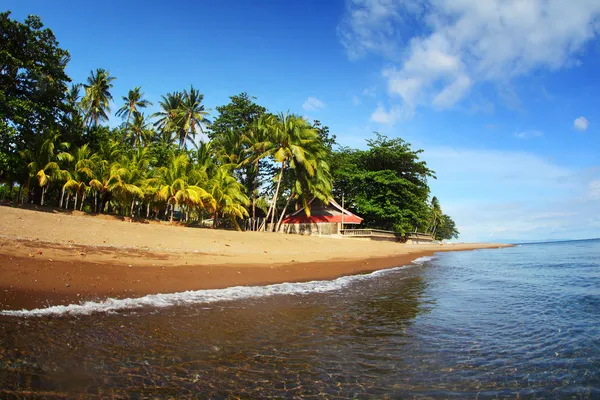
(502, 95)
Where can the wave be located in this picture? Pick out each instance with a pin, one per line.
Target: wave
(201, 296)
(423, 260)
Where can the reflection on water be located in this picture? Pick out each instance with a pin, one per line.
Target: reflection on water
(522, 321)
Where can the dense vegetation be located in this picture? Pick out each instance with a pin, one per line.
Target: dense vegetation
(247, 164)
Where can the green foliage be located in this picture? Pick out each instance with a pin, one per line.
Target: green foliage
(96, 102)
(54, 141)
(447, 229)
(181, 116)
(385, 184)
(33, 84)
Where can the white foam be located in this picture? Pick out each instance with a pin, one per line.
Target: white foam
(422, 260)
(200, 296)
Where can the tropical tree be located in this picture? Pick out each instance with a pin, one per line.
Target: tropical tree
(133, 103)
(228, 194)
(96, 101)
(192, 115)
(293, 143)
(42, 163)
(168, 119)
(130, 176)
(139, 132)
(176, 189)
(386, 184)
(109, 155)
(436, 215)
(78, 175)
(33, 86)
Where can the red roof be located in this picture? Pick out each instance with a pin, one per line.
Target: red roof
(320, 212)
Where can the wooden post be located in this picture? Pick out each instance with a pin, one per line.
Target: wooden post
(343, 211)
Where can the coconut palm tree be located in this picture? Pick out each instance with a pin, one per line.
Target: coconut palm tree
(96, 101)
(230, 199)
(42, 163)
(176, 188)
(435, 215)
(78, 175)
(290, 141)
(133, 103)
(130, 175)
(255, 141)
(168, 118)
(193, 115)
(108, 155)
(139, 132)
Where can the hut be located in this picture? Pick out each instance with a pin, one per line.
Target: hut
(325, 219)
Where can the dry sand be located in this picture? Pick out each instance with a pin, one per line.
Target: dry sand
(50, 257)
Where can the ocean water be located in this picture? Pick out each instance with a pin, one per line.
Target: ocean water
(521, 322)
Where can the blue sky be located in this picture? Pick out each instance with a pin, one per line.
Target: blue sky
(503, 95)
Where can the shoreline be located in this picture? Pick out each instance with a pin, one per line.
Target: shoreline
(49, 259)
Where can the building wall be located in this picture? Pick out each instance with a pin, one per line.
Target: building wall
(419, 240)
(322, 228)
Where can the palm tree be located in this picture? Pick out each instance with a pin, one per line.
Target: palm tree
(108, 155)
(290, 141)
(192, 114)
(255, 142)
(139, 132)
(133, 102)
(130, 175)
(436, 215)
(168, 118)
(176, 189)
(42, 163)
(96, 101)
(79, 174)
(229, 196)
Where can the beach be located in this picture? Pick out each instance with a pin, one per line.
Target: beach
(49, 257)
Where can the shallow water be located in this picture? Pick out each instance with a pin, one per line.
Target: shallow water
(518, 322)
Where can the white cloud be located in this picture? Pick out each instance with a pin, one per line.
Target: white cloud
(355, 100)
(495, 195)
(385, 117)
(581, 124)
(369, 91)
(312, 104)
(594, 190)
(528, 134)
(463, 42)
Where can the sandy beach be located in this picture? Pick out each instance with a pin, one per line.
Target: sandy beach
(49, 257)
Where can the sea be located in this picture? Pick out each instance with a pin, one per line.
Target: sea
(520, 322)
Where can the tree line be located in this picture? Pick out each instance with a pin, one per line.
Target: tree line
(240, 163)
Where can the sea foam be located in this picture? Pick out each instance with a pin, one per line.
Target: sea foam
(202, 296)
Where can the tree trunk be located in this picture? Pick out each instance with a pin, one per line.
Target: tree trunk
(75, 204)
(68, 199)
(62, 197)
(254, 193)
(215, 220)
(96, 202)
(172, 209)
(43, 193)
(287, 203)
(20, 193)
(273, 205)
(132, 204)
(148, 210)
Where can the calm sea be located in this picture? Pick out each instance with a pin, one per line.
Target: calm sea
(521, 322)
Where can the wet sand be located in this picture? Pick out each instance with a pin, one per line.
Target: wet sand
(50, 258)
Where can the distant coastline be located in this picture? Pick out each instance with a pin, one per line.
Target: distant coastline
(52, 259)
